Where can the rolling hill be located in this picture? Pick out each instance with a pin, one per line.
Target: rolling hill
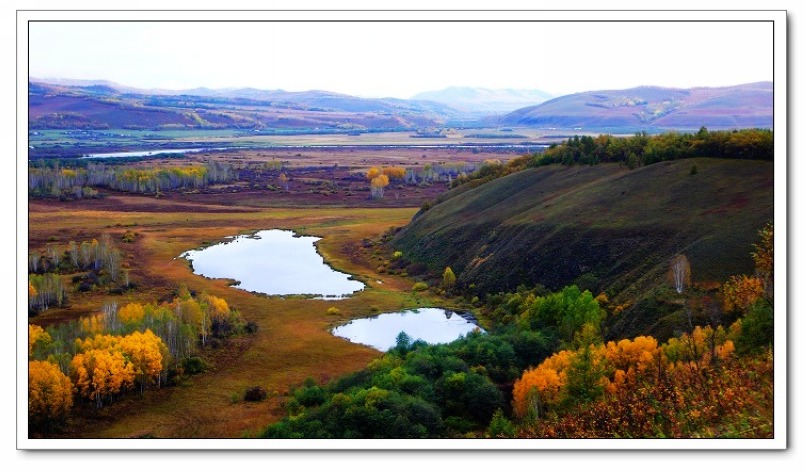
(98, 105)
(740, 106)
(603, 227)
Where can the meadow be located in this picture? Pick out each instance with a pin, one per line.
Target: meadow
(292, 341)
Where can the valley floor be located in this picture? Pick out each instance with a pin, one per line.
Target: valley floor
(292, 342)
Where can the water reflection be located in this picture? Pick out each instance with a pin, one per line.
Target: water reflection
(273, 262)
(432, 325)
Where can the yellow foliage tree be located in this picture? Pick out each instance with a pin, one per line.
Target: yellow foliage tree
(373, 172)
(378, 184)
(131, 313)
(698, 348)
(639, 353)
(101, 373)
(219, 309)
(190, 312)
(630, 358)
(394, 173)
(99, 341)
(50, 392)
(32, 293)
(764, 251)
(36, 335)
(741, 292)
(145, 351)
(540, 387)
(93, 324)
(448, 278)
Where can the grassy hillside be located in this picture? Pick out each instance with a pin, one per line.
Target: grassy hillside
(603, 227)
(743, 106)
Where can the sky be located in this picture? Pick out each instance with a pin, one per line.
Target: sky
(401, 59)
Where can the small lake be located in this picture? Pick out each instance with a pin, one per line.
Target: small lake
(273, 262)
(432, 325)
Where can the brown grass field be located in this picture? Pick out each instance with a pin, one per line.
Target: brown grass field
(293, 340)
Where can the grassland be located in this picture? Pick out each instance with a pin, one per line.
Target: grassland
(603, 227)
(78, 142)
(292, 343)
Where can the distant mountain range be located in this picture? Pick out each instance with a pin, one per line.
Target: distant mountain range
(484, 101)
(101, 104)
(67, 103)
(739, 106)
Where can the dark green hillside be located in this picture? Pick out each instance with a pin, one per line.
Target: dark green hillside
(603, 227)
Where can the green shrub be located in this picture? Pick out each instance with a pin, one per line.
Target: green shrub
(419, 287)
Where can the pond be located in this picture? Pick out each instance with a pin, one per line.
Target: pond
(432, 325)
(273, 262)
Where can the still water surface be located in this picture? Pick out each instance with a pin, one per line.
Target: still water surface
(273, 262)
(432, 325)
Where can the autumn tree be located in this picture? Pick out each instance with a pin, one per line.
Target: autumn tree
(741, 292)
(37, 338)
(32, 293)
(394, 173)
(191, 312)
(133, 313)
(764, 260)
(373, 172)
(378, 184)
(54, 254)
(448, 278)
(74, 254)
(284, 179)
(85, 254)
(47, 290)
(50, 392)
(680, 272)
(145, 351)
(541, 387)
(101, 373)
(754, 297)
(34, 260)
(701, 347)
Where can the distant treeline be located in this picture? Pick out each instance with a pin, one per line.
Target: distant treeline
(642, 149)
(638, 150)
(57, 181)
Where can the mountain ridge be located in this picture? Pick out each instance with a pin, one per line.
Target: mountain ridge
(744, 105)
(66, 103)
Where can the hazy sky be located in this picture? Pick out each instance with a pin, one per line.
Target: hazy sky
(402, 59)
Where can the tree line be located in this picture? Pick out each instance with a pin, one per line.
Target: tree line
(102, 260)
(642, 149)
(81, 182)
(635, 151)
(381, 177)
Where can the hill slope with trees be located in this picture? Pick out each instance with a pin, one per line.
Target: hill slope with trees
(604, 227)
